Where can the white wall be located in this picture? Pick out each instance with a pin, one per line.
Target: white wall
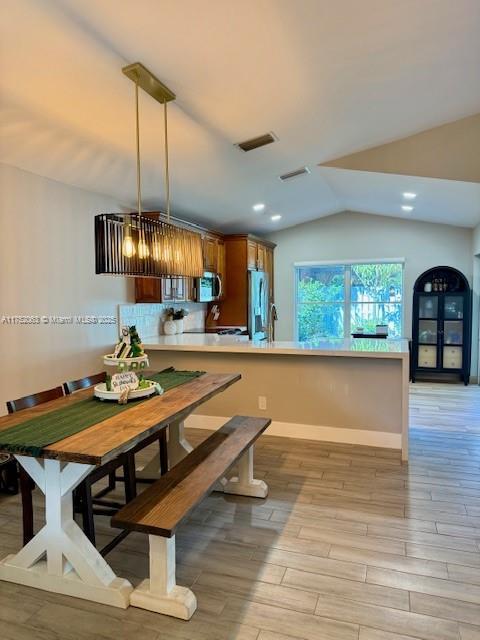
(350, 236)
(47, 267)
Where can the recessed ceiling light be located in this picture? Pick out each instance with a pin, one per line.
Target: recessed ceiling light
(258, 207)
(407, 207)
(408, 195)
(276, 217)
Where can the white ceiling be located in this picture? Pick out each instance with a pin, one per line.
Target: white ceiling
(329, 78)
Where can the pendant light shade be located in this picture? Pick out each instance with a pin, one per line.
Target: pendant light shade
(134, 245)
(137, 244)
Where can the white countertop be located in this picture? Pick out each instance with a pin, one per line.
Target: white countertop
(348, 347)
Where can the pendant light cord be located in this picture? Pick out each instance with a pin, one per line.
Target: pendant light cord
(167, 174)
(137, 130)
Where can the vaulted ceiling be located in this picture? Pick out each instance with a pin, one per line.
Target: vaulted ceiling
(328, 78)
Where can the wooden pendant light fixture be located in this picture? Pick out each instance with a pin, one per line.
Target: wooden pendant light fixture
(135, 244)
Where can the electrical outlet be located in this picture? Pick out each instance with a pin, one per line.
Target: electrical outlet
(262, 403)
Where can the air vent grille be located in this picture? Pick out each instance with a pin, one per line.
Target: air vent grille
(294, 174)
(255, 143)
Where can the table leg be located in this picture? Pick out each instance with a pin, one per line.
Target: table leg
(178, 447)
(60, 558)
(244, 484)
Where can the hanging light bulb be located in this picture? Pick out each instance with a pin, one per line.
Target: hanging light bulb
(156, 248)
(143, 249)
(128, 245)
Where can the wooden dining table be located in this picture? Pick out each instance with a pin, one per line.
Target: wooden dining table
(60, 558)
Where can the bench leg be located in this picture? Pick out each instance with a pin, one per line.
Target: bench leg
(245, 484)
(160, 593)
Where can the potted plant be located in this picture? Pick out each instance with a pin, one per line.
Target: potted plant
(169, 326)
(178, 316)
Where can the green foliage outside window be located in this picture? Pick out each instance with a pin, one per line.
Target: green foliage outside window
(375, 292)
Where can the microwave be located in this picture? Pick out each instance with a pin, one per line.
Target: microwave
(208, 287)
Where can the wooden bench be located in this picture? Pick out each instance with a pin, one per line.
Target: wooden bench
(164, 505)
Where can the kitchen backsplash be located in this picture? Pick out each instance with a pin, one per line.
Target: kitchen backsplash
(149, 318)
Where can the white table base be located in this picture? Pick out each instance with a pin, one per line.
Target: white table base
(178, 448)
(60, 558)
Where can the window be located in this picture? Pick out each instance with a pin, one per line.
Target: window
(333, 300)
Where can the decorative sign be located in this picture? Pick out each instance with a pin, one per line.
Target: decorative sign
(124, 380)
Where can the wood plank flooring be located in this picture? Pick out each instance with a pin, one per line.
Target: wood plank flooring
(349, 545)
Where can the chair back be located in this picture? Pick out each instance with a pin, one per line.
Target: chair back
(35, 398)
(83, 383)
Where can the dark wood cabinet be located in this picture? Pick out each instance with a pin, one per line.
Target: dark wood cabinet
(210, 254)
(164, 290)
(441, 326)
(148, 290)
(243, 253)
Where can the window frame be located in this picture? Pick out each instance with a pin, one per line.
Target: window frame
(347, 265)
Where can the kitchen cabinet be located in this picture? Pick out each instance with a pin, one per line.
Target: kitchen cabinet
(441, 335)
(251, 254)
(148, 290)
(210, 257)
(243, 253)
(261, 257)
(256, 255)
(164, 290)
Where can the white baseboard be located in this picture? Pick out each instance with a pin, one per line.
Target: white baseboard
(309, 432)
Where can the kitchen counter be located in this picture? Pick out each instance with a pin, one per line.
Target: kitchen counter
(347, 390)
(348, 347)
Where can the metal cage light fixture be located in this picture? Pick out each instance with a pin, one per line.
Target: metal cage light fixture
(138, 244)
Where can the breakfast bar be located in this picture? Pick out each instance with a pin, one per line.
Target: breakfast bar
(340, 390)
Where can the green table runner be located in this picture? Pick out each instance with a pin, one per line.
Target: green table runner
(35, 434)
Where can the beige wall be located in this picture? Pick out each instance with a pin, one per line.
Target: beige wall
(314, 397)
(352, 236)
(47, 268)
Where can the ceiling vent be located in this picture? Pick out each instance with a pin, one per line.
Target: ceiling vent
(294, 174)
(255, 143)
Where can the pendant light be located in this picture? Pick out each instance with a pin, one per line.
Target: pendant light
(137, 244)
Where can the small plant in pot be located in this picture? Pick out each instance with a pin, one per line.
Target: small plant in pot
(174, 321)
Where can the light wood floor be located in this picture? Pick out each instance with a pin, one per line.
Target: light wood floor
(349, 545)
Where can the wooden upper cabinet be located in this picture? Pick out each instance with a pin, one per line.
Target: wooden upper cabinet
(210, 257)
(251, 254)
(164, 289)
(261, 257)
(148, 290)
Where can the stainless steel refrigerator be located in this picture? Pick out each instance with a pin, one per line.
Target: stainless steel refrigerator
(257, 305)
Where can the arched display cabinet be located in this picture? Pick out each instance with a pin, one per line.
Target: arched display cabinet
(441, 326)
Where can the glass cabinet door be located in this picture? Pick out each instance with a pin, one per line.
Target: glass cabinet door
(427, 331)
(428, 307)
(453, 307)
(453, 332)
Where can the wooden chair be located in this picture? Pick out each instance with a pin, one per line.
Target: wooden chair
(84, 383)
(87, 503)
(26, 483)
(35, 398)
